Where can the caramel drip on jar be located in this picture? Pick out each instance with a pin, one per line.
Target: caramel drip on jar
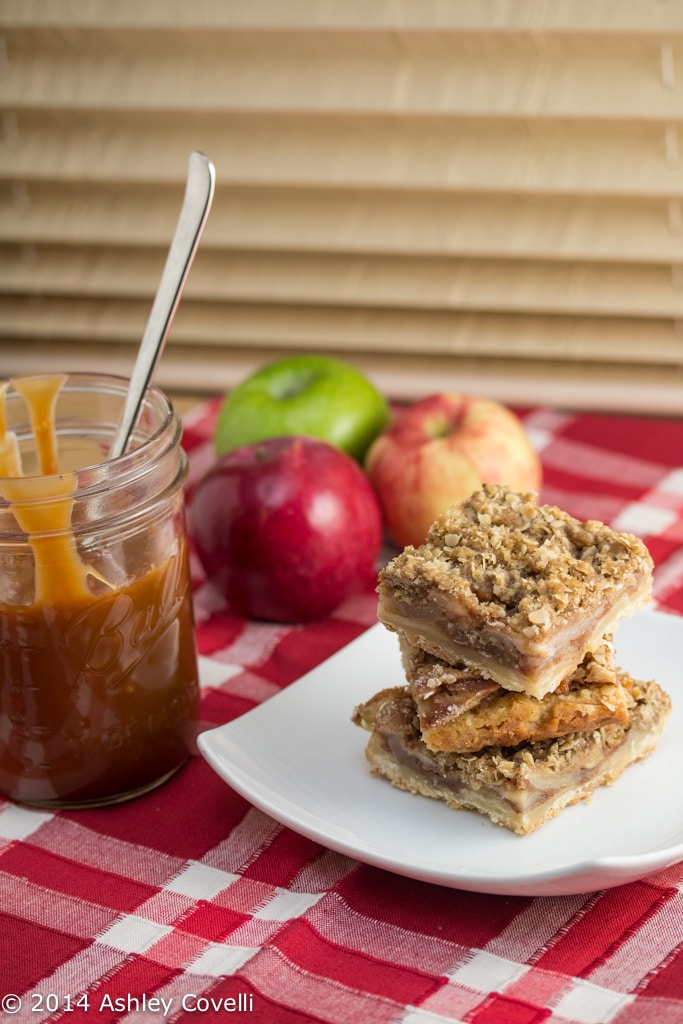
(10, 462)
(42, 508)
(40, 394)
(42, 505)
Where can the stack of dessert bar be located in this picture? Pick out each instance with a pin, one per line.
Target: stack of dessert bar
(512, 704)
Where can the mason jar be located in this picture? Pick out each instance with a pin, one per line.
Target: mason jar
(98, 670)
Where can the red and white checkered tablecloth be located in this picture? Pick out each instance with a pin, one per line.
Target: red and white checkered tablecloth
(190, 905)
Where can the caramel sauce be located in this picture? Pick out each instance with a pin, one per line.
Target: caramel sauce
(10, 463)
(98, 683)
(35, 501)
(40, 395)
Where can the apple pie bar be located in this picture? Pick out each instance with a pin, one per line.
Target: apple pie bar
(512, 704)
(460, 710)
(518, 590)
(519, 787)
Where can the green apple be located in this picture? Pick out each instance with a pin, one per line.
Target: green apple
(313, 395)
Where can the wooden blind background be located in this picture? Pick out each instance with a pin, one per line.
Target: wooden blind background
(483, 195)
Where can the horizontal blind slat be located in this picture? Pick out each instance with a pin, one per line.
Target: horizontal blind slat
(226, 71)
(322, 279)
(439, 154)
(607, 16)
(335, 220)
(567, 384)
(584, 339)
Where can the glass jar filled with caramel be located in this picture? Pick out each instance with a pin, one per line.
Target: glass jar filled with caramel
(98, 669)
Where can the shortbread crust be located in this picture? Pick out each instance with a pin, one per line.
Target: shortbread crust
(520, 787)
(460, 710)
(520, 590)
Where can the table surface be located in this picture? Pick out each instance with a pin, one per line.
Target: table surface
(188, 904)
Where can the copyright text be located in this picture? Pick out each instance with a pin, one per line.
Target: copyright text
(48, 1003)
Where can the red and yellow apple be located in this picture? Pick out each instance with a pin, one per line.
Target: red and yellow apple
(439, 450)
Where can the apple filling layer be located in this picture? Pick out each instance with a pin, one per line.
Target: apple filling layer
(432, 627)
(517, 590)
(460, 710)
(518, 787)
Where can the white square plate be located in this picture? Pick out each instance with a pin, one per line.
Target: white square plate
(299, 758)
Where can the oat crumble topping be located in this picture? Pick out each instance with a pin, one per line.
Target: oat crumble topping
(503, 557)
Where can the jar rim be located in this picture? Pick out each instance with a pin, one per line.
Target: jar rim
(105, 494)
(106, 473)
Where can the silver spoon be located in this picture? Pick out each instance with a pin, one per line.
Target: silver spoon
(201, 179)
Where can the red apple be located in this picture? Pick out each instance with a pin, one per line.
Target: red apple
(441, 449)
(287, 528)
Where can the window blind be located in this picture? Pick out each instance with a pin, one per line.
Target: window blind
(484, 195)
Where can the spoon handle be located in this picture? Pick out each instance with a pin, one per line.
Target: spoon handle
(201, 178)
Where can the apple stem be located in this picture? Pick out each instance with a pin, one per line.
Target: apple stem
(294, 386)
(440, 428)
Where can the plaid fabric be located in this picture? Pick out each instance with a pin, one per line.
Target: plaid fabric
(190, 905)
